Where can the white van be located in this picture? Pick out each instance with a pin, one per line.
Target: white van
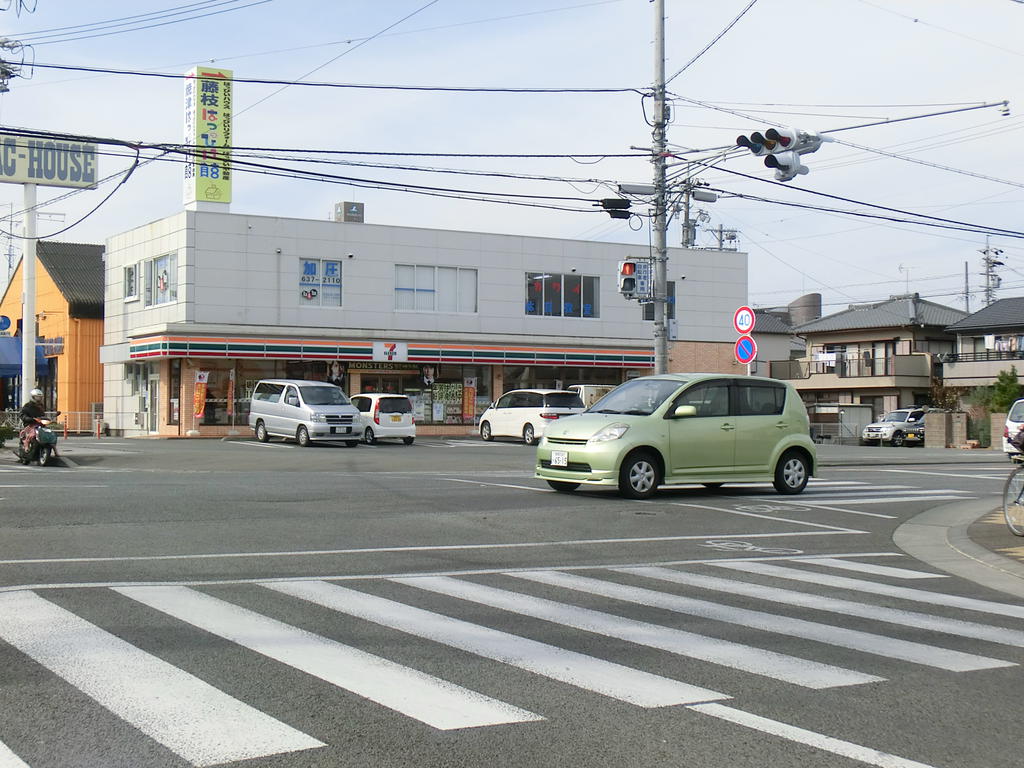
(307, 411)
(591, 393)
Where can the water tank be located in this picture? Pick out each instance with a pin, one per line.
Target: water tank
(805, 309)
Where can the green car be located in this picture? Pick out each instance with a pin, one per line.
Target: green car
(682, 428)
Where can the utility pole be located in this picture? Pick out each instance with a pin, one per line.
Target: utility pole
(660, 222)
(967, 290)
(990, 260)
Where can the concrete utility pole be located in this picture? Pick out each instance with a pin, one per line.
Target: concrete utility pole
(660, 223)
(28, 297)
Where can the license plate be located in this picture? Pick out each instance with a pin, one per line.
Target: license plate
(559, 458)
(396, 418)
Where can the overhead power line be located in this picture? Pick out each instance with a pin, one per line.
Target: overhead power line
(355, 86)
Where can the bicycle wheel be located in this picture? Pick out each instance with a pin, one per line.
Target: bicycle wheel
(1013, 502)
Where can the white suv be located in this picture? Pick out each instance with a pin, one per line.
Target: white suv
(526, 413)
(385, 416)
(896, 427)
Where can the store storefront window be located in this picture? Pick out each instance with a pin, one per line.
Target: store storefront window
(557, 377)
(174, 394)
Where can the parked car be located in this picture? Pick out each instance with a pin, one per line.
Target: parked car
(385, 416)
(895, 426)
(683, 428)
(306, 411)
(1014, 423)
(526, 413)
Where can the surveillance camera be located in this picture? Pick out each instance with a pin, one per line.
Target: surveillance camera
(351, 255)
(682, 277)
(574, 269)
(277, 250)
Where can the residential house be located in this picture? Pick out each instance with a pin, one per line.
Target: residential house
(882, 353)
(987, 342)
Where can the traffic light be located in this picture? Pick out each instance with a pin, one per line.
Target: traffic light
(627, 278)
(783, 147)
(616, 207)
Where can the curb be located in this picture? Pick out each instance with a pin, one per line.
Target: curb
(939, 537)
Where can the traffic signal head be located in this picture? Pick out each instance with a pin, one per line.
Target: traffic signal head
(616, 207)
(786, 164)
(757, 143)
(627, 278)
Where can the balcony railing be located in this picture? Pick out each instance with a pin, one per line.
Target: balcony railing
(977, 357)
(853, 368)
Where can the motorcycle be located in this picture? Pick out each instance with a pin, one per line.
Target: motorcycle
(41, 447)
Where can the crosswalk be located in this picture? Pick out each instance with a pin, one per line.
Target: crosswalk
(169, 698)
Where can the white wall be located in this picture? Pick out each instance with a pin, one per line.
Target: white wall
(232, 279)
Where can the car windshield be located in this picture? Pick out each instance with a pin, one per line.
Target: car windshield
(1017, 412)
(640, 397)
(325, 395)
(896, 416)
(562, 400)
(395, 405)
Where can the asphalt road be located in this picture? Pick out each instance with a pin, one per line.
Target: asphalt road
(174, 603)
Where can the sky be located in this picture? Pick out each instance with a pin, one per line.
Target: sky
(827, 66)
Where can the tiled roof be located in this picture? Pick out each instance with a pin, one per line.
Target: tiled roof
(1004, 313)
(897, 312)
(77, 269)
(768, 322)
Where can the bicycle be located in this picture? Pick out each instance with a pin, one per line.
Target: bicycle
(1013, 491)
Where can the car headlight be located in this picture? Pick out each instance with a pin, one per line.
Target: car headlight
(611, 432)
(318, 417)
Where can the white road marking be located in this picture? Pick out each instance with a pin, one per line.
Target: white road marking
(423, 697)
(778, 666)
(502, 485)
(803, 736)
(10, 760)
(577, 669)
(947, 474)
(939, 496)
(816, 602)
(904, 593)
(189, 717)
(842, 637)
(414, 548)
(878, 570)
(829, 508)
(805, 523)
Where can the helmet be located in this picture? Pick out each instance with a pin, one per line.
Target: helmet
(36, 394)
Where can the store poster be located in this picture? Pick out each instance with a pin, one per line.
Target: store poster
(199, 398)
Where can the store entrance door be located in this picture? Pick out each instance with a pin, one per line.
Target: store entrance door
(153, 403)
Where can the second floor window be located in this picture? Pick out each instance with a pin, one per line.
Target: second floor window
(558, 295)
(319, 283)
(435, 289)
(161, 280)
(131, 282)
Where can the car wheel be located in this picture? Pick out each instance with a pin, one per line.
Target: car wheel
(639, 476)
(791, 473)
(302, 436)
(561, 487)
(261, 432)
(897, 440)
(528, 436)
(485, 431)
(408, 440)
(369, 438)
(351, 443)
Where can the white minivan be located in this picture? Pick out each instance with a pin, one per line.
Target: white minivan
(306, 411)
(383, 415)
(1014, 423)
(526, 413)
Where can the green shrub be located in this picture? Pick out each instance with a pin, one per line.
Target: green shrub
(7, 433)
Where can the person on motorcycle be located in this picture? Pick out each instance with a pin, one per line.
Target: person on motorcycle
(30, 414)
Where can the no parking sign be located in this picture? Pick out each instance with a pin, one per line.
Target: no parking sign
(745, 349)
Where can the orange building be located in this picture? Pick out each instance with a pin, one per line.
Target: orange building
(69, 313)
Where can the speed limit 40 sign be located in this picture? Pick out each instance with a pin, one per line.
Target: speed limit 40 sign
(743, 320)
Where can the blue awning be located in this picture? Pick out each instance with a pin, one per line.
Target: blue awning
(10, 357)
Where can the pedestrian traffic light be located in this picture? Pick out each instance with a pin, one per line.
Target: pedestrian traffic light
(783, 147)
(627, 278)
(616, 207)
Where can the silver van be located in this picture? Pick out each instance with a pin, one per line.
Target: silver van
(308, 411)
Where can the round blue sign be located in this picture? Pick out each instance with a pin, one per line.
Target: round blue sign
(746, 349)
(5, 322)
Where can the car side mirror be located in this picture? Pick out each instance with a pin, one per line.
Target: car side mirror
(684, 411)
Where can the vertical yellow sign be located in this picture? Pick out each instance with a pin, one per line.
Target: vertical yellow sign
(208, 96)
